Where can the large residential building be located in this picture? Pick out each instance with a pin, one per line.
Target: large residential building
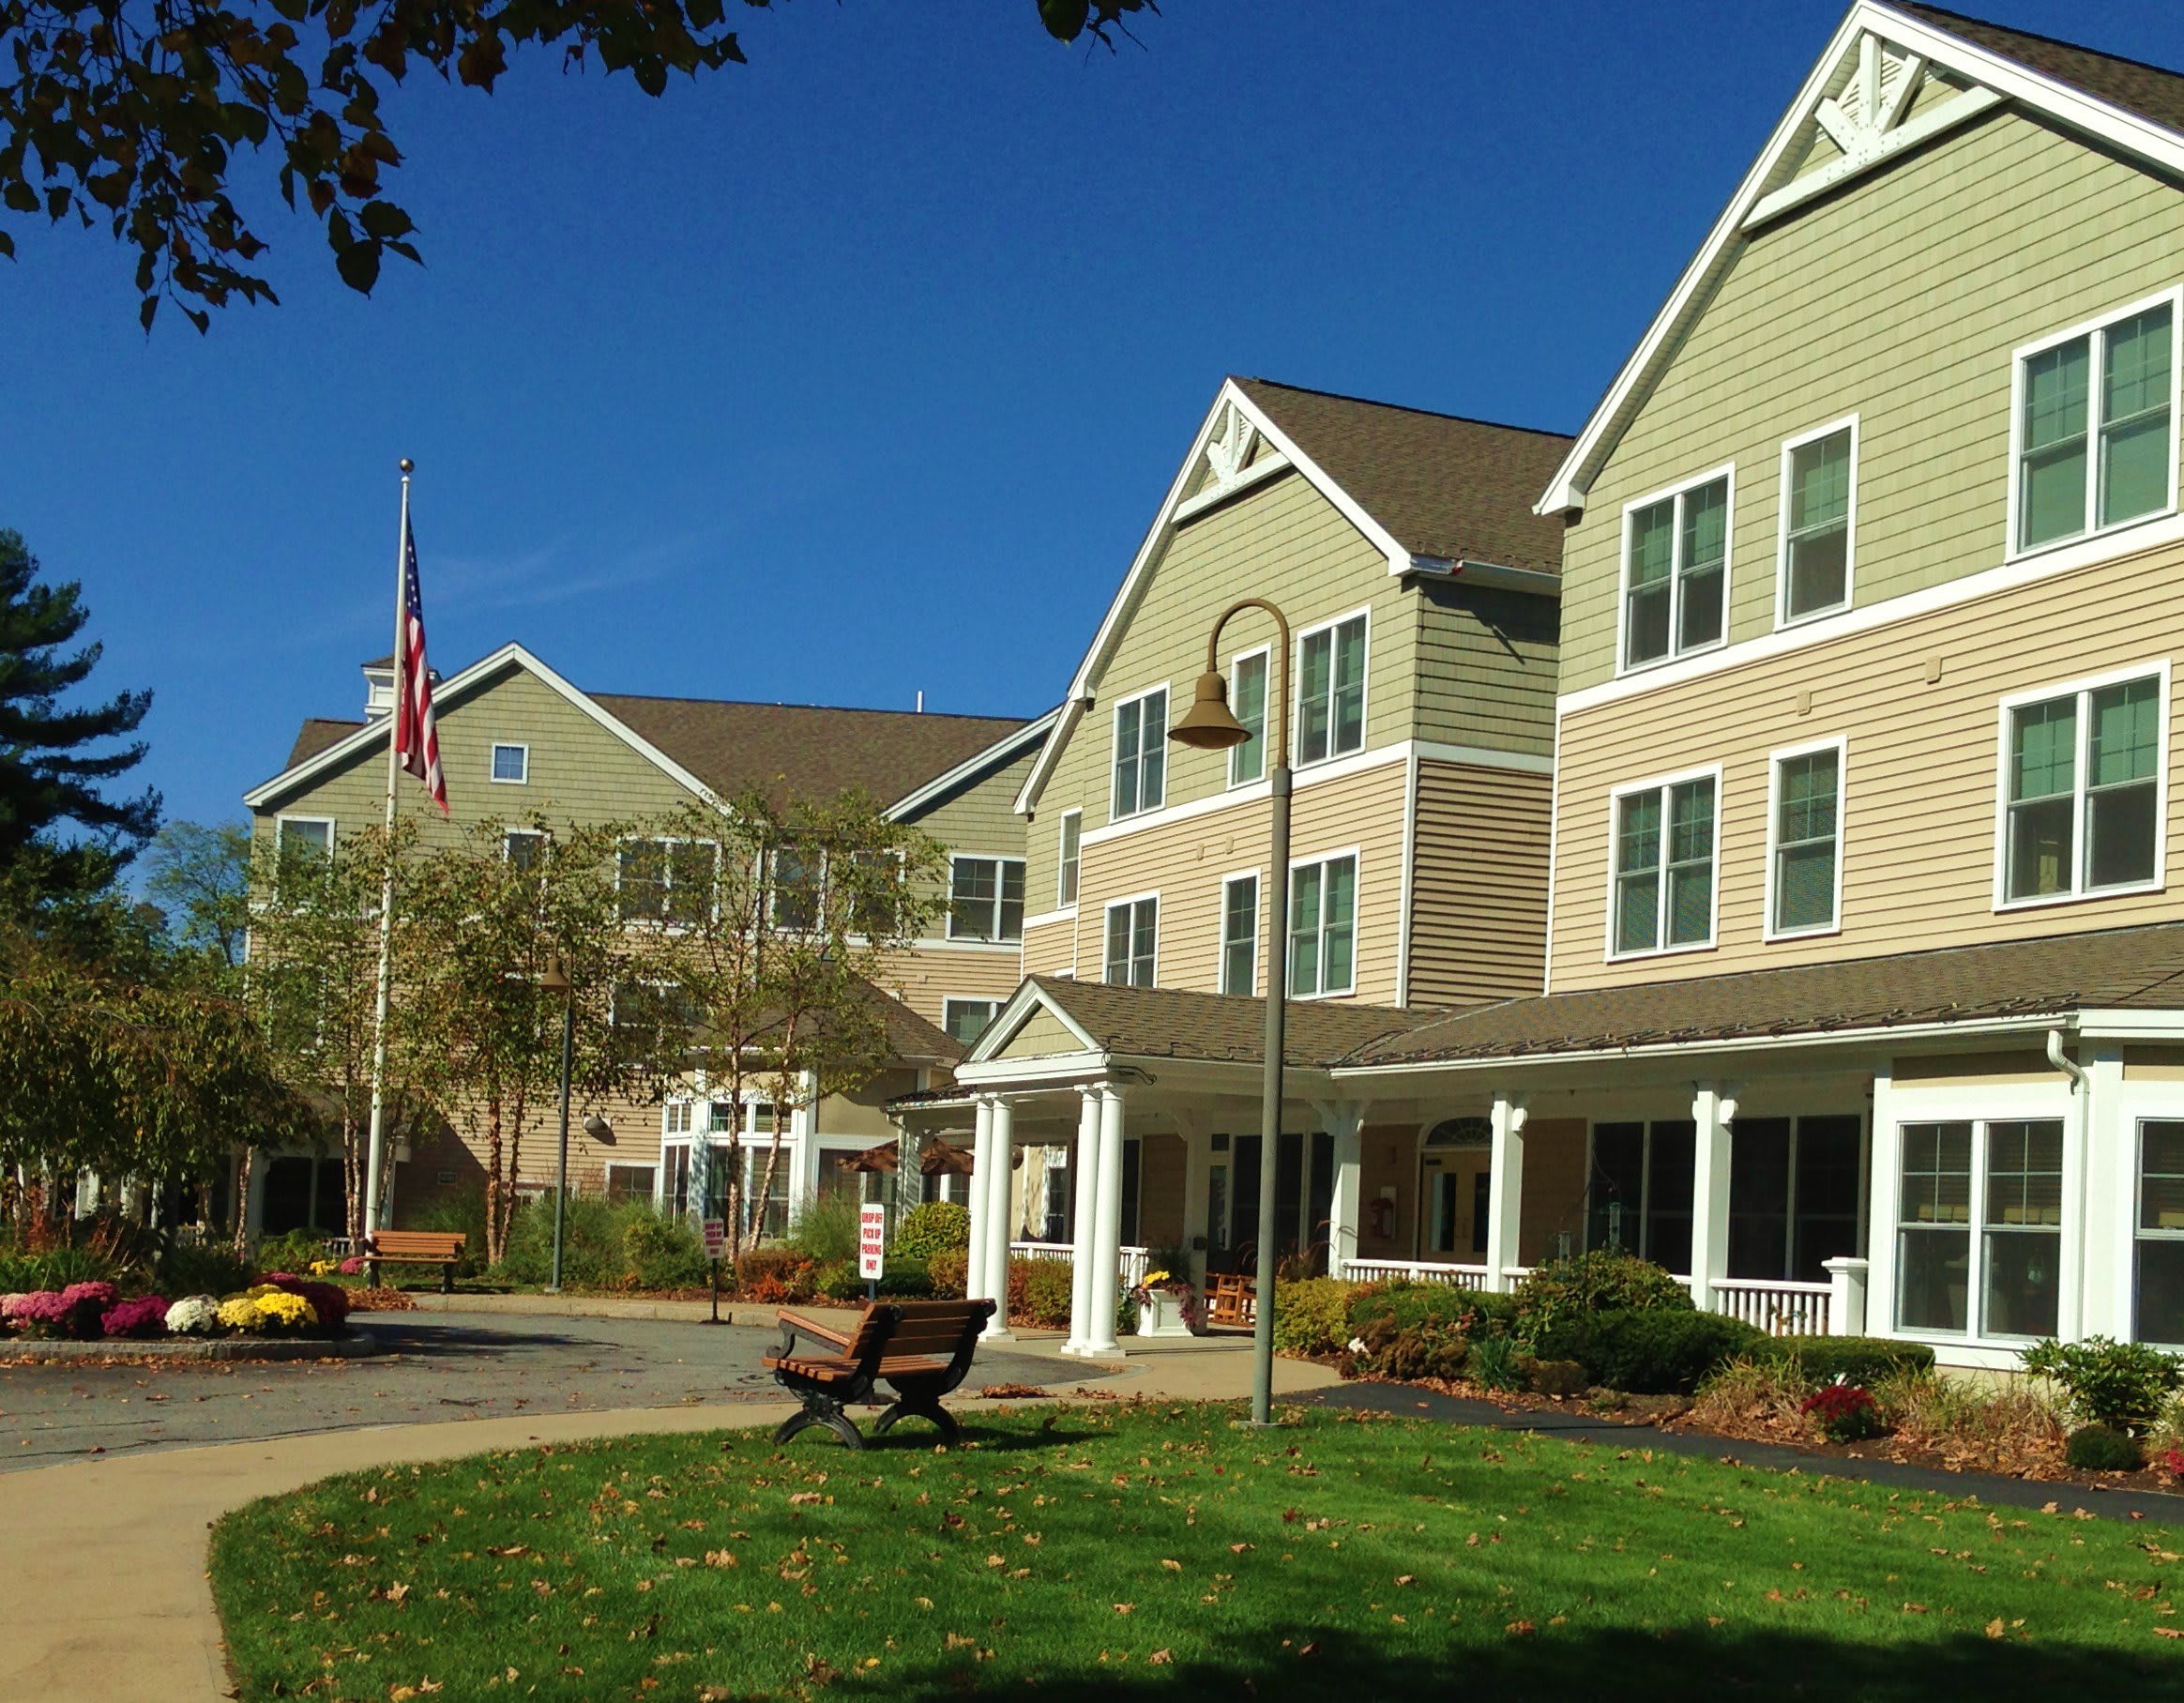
(1863, 1006)
(518, 740)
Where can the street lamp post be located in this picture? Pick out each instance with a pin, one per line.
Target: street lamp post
(1210, 726)
(556, 980)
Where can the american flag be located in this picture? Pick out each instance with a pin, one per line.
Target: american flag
(417, 735)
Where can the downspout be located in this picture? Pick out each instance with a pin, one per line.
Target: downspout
(2073, 1327)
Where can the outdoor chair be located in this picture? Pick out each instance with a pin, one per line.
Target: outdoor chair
(921, 1349)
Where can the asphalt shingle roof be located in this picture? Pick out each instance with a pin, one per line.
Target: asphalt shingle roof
(1175, 1022)
(2148, 90)
(316, 733)
(1458, 489)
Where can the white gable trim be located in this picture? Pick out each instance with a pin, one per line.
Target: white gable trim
(2003, 78)
(458, 686)
(1002, 751)
(1022, 1005)
(1174, 507)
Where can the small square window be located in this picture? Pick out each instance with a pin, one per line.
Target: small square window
(512, 764)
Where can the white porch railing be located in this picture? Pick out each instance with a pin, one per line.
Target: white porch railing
(1134, 1263)
(1415, 1271)
(1780, 1309)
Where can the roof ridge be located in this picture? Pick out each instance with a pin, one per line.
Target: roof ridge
(1937, 13)
(853, 709)
(1373, 402)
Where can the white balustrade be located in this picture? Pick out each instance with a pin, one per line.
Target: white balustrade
(1416, 1271)
(1132, 1268)
(1780, 1309)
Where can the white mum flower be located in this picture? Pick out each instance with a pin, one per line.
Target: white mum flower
(192, 1315)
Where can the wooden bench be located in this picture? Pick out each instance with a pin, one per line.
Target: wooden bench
(921, 1349)
(1232, 1298)
(442, 1248)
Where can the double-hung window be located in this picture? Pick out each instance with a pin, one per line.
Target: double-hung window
(1322, 926)
(1240, 935)
(1665, 866)
(1133, 941)
(985, 899)
(2095, 427)
(1072, 855)
(966, 1019)
(1676, 571)
(2003, 1178)
(2083, 785)
(1805, 856)
(1141, 753)
(523, 847)
(795, 880)
(1330, 690)
(302, 849)
(1248, 703)
(1819, 506)
(665, 880)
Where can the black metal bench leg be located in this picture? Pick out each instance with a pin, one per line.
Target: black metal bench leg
(447, 1279)
(825, 1413)
(910, 1407)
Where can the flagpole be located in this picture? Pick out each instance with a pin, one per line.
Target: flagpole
(376, 1152)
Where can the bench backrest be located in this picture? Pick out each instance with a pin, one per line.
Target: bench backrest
(419, 1244)
(940, 1329)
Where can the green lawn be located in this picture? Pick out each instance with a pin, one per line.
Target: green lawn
(1094, 1549)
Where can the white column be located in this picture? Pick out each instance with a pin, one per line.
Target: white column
(999, 1215)
(2110, 1262)
(980, 1190)
(1504, 1188)
(1883, 1172)
(1342, 1123)
(1846, 1296)
(1713, 1109)
(1107, 1230)
(1083, 1217)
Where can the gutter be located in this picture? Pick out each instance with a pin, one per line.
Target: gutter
(1488, 573)
(2071, 1326)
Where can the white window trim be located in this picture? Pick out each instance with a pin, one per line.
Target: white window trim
(1114, 737)
(2157, 670)
(1840, 745)
(1356, 921)
(1258, 924)
(2022, 1104)
(1265, 654)
(1067, 908)
(1790, 445)
(1000, 880)
(2174, 298)
(662, 922)
(952, 1001)
(491, 761)
(535, 833)
(281, 830)
(1661, 784)
(1296, 705)
(1106, 911)
(1728, 471)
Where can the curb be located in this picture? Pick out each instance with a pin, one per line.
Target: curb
(240, 1348)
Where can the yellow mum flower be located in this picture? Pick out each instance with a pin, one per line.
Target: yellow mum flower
(285, 1311)
(240, 1313)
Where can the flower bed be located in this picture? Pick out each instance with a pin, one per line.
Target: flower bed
(282, 1305)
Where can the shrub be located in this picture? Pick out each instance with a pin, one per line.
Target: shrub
(950, 1271)
(1313, 1318)
(592, 1256)
(1864, 1360)
(937, 1226)
(1406, 1305)
(1603, 1281)
(291, 1251)
(1038, 1292)
(2106, 1382)
(2011, 1429)
(72, 1313)
(776, 1274)
(1660, 1352)
(55, 1269)
(1845, 1413)
(825, 1227)
(901, 1280)
(462, 1212)
(2099, 1448)
(200, 1268)
(1752, 1392)
(1407, 1353)
(146, 1315)
(661, 1251)
(1493, 1362)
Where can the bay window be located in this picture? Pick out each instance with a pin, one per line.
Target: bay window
(1676, 571)
(2083, 783)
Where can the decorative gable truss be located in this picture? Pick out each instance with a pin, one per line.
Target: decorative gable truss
(1236, 454)
(1878, 86)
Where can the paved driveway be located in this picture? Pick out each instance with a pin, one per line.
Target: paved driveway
(445, 1366)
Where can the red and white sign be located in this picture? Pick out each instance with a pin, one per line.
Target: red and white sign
(872, 1241)
(716, 1238)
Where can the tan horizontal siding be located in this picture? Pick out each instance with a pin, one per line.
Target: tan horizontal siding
(1919, 780)
(1479, 884)
(979, 819)
(924, 977)
(1185, 863)
(1901, 299)
(1050, 950)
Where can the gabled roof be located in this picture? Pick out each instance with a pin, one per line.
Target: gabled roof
(910, 1038)
(1859, 86)
(1177, 1023)
(1433, 493)
(716, 748)
(1453, 489)
(2138, 968)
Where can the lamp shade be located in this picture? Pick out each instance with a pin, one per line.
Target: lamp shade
(1208, 725)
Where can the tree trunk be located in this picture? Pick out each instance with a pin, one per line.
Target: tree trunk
(495, 1186)
(242, 1236)
(354, 1173)
(773, 1160)
(519, 1111)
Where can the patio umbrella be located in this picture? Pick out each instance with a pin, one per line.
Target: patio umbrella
(881, 1160)
(942, 1159)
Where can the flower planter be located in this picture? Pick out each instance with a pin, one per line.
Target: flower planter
(1164, 1313)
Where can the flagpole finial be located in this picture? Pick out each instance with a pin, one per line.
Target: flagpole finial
(408, 465)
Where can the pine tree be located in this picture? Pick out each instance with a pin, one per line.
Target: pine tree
(49, 778)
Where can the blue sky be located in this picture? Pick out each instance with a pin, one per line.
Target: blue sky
(860, 371)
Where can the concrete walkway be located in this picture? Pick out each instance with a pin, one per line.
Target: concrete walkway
(102, 1586)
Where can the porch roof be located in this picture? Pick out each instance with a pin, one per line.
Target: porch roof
(2138, 968)
(1219, 1028)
